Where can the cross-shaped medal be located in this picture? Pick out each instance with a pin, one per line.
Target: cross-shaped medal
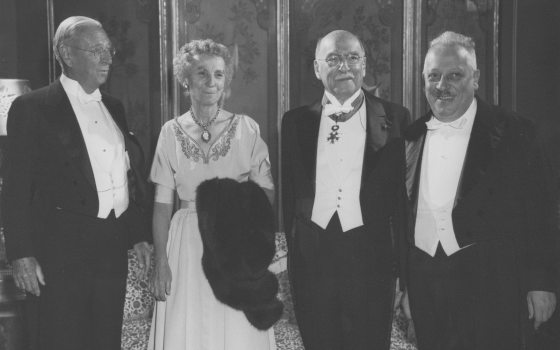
(334, 136)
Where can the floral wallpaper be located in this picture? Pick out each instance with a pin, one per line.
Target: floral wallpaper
(128, 24)
(473, 18)
(241, 25)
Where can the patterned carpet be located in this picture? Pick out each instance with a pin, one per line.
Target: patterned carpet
(139, 304)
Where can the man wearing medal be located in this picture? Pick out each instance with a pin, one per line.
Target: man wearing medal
(343, 171)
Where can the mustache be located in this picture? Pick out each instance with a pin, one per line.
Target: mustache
(344, 76)
(442, 94)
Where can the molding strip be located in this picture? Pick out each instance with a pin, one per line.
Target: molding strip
(175, 35)
(283, 74)
(408, 55)
(514, 58)
(50, 35)
(163, 59)
(412, 51)
(418, 60)
(496, 53)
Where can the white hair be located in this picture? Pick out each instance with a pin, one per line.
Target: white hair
(459, 41)
(67, 30)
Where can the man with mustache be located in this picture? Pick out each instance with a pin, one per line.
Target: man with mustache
(344, 203)
(483, 238)
(70, 210)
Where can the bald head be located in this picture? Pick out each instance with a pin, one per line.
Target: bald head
(338, 35)
(340, 64)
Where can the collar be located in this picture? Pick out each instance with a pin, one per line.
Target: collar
(459, 124)
(344, 111)
(328, 97)
(72, 87)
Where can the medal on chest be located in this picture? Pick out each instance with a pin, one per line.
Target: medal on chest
(334, 135)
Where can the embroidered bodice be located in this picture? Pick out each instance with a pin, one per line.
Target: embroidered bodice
(238, 152)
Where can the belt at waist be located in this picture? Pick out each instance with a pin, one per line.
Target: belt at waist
(188, 205)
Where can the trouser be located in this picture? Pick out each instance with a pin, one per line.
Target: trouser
(85, 267)
(464, 301)
(343, 289)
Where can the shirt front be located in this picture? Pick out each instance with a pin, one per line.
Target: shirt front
(443, 157)
(339, 169)
(105, 145)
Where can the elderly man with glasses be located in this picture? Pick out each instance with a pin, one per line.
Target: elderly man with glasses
(68, 209)
(343, 200)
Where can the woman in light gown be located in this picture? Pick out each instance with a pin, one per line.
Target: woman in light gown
(204, 143)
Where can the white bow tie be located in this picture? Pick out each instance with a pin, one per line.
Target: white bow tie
(435, 124)
(87, 98)
(331, 109)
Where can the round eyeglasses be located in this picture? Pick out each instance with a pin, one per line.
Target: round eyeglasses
(336, 60)
(99, 52)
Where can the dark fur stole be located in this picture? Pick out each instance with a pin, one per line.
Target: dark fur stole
(236, 223)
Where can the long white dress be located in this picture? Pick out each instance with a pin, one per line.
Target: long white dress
(192, 318)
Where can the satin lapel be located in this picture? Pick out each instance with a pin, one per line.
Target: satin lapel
(378, 131)
(64, 122)
(485, 136)
(415, 137)
(118, 117)
(307, 138)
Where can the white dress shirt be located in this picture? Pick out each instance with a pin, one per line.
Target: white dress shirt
(442, 165)
(105, 145)
(339, 169)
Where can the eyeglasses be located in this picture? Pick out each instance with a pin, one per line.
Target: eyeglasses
(99, 52)
(335, 60)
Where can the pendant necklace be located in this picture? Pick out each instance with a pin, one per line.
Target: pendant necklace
(334, 135)
(206, 136)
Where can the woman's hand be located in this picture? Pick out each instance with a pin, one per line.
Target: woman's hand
(160, 284)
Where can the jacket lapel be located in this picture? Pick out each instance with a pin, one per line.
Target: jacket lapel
(485, 136)
(415, 136)
(378, 131)
(307, 138)
(64, 122)
(116, 115)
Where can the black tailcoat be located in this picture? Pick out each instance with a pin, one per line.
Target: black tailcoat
(50, 207)
(504, 205)
(382, 194)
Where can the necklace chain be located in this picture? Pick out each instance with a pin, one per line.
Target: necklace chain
(201, 124)
(205, 135)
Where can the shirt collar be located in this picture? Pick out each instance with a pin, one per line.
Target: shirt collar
(72, 87)
(461, 123)
(328, 97)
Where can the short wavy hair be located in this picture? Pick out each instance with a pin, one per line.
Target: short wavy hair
(187, 55)
(457, 40)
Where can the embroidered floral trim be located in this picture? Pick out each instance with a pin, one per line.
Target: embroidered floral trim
(189, 147)
(220, 148)
(223, 144)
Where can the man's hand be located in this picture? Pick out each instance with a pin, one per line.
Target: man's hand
(541, 306)
(143, 253)
(28, 274)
